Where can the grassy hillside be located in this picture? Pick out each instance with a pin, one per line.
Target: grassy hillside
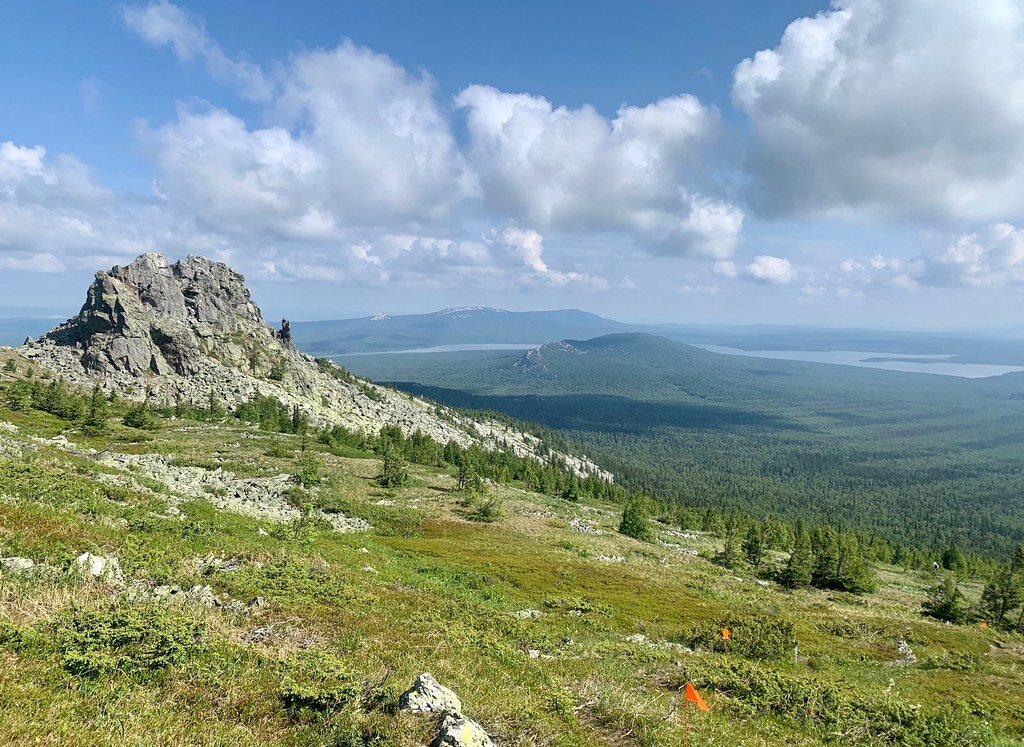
(550, 635)
(915, 458)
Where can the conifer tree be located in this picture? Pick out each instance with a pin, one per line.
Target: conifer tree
(945, 601)
(753, 546)
(393, 472)
(635, 521)
(799, 569)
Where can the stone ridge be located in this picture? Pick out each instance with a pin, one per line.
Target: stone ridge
(189, 331)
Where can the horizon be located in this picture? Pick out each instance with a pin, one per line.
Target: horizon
(767, 163)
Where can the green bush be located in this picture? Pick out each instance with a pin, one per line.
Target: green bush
(825, 709)
(310, 471)
(138, 416)
(753, 634)
(134, 640)
(635, 521)
(487, 511)
(316, 681)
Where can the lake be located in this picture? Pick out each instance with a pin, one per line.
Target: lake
(927, 364)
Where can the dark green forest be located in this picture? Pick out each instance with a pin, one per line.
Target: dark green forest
(916, 459)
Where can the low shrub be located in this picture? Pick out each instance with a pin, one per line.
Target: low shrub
(135, 640)
(753, 634)
(315, 681)
(834, 714)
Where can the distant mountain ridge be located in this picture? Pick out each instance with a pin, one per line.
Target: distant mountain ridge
(477, 325)
(455, 325)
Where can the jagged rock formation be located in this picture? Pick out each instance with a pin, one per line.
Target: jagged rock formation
(538, 357)
(190, 331)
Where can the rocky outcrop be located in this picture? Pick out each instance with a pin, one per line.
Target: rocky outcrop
(189, 331)
(427, 695)
(460, 731)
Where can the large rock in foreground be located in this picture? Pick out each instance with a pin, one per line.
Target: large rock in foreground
(189, 331)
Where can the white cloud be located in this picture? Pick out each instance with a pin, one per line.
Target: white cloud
(358, 143)
(990, 258)
(165, 24)
(45, 262)
(726, 268)
(573, 169)
(770, 270)
(910, 109)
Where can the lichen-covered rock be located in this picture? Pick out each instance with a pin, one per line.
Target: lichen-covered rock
(17, 565)
(101, 567)
(460, 731)
(427, 695)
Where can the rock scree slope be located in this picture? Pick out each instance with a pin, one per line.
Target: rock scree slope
(190, 331)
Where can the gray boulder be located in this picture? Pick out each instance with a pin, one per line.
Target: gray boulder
(17, 565)
(427, 695)
(459, 731)
(100, 567)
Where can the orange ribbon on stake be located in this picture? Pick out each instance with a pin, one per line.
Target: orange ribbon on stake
(690, 695)
(693, 696)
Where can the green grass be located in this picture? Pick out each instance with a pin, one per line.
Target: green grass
(323, 660)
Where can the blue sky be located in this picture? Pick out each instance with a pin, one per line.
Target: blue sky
(854, 164)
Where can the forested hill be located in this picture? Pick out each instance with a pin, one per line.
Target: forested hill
(916, 458)
(463, 325)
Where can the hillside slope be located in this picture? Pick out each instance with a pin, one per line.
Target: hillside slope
(189, 331)
(916, 458)
(551, 627)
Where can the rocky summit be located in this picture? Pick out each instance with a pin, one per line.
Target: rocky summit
(190, 331)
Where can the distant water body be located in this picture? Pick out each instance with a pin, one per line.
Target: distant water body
(939, 365)
(454, 348)
(928, 364)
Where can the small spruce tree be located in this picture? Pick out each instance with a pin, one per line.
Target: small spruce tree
(945, 601)
(393, 471)
(635, 521)
(799, 570)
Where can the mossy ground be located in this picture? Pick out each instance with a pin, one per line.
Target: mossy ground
(430, 590)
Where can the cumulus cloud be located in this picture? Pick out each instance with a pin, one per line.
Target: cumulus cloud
(507, 257)
(163, 24)
(770, 270)
(47, 205)
(902, 109)
(357, 142)
(990, 258)
(348, 170)
(573, 169)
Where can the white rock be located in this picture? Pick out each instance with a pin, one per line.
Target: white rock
(18, 565)
(102, 567)
(460, 731)
(427, 695)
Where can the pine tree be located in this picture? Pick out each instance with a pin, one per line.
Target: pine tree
(467, 479)
(635, 521)
(1004, 592)
(825, 548)
(853, 573)
(393, 472)
(799, 570)
(945, 601)
(730, 556)
(96, 415)
(753, 546)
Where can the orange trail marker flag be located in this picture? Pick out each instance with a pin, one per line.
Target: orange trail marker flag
(694, 697)
(726, 635)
